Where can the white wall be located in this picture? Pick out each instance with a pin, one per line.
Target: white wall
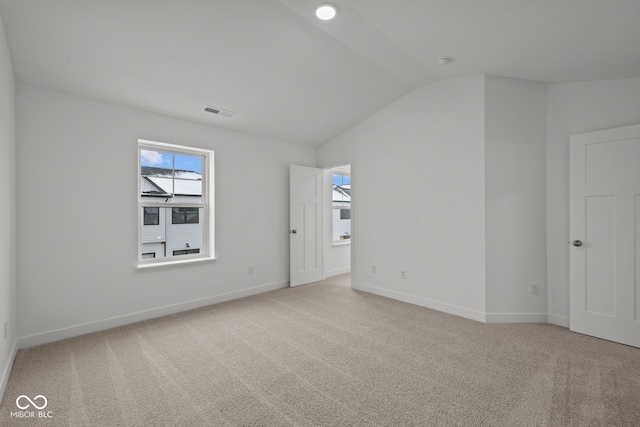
(576, 108)
(77, 171)
(7, 211)
(419, 200)
(515, 147)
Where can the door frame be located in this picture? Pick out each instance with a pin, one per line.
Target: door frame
(325, 167)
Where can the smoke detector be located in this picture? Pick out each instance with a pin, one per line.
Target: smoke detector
(443, 61)
(219, 111)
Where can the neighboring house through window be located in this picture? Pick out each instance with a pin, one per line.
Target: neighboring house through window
(174, 193)
(186, 252)
(341, 190)
(185, 216)
(151, 216)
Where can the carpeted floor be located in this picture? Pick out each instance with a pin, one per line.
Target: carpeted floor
(322, 355)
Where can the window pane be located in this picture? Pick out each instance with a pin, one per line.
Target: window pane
(341, 190)
(151, 216)
(176, 216)
(156, 173)
(188, 175)
(164, 174)
(187, 163)
(341, 226)
(192, 216)
(185, 216)
(174, 235)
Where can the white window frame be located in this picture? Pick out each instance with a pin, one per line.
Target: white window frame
(207, 251)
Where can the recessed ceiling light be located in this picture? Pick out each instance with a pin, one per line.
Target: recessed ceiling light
(443, 61)
(326, 11)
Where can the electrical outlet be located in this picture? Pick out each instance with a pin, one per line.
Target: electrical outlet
(403, 274)
(373, 268)
(250, 269)
(535, 289)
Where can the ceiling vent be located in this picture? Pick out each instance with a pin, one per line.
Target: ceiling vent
(219, 111)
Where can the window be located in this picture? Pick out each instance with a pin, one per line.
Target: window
(341, 190)
(151, 216)
(174, 198)
(186, 252)
(185, 216)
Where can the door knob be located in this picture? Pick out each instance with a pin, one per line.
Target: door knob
(576, 243)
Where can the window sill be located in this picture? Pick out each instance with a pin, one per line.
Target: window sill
(341, 243)
(171, 263)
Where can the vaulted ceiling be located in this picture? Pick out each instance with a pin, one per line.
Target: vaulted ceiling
(291, 77)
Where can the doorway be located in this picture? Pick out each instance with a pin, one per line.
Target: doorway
(320, 212)
(338, 233)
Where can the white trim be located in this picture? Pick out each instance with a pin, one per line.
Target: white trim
(338, 272)
(516, 317)
(170, 205)
(341, 242)
(556, 319)
(100, 325)
(423, 302)
(6, 372)
(170, 263)
(338, 164)
(545, 318)
(182, 149)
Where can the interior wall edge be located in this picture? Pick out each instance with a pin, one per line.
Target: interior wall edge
(558, 320)
(423, 302)
(6, 372)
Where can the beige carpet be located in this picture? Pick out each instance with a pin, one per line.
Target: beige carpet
(322, 355)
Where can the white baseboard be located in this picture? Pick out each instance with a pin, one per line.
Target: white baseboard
(517, 318)
(6, 371)
(423, 302)
(558, 320)
(337, 272)
(100, 325)
(465, 312)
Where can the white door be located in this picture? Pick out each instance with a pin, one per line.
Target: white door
(605, 234)
(305, 230)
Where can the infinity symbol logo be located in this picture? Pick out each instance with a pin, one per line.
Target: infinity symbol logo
(23, 397)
